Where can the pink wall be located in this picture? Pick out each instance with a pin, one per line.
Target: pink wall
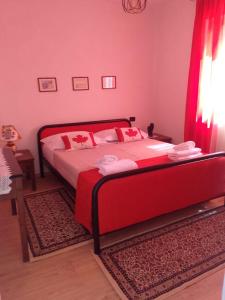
(93, 38)
(174, 27)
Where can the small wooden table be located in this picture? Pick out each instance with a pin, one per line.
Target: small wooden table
(26, 162)
(161, 137)
(17, 193)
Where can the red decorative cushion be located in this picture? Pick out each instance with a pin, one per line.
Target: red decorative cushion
(129, 134)
(79, 140)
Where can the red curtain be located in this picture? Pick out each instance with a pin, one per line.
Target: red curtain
(208, 26)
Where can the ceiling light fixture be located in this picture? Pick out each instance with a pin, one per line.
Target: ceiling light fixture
(134, 6)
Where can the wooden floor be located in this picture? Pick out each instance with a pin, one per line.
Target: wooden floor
(75, 274)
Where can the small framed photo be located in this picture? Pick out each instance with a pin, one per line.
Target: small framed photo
(108, 82)
(80, 83)
(47, 84)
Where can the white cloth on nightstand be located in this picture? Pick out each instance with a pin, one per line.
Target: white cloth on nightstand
(5, 174)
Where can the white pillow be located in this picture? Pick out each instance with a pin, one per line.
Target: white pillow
(55, 141)
(144, 134)
(107, 135)
(99, 140)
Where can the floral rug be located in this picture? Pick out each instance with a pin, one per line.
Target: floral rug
(50, 222)
(154, 263)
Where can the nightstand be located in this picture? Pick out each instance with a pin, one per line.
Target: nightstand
(26, 162)
(161, 137)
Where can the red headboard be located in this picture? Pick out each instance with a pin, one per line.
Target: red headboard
(92, 126)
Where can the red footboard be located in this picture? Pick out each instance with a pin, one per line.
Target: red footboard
(136, 196)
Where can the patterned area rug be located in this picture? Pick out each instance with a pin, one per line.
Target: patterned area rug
(154, 263)
(50, 222)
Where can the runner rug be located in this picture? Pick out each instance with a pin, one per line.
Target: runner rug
(154, 263)
(50, 222)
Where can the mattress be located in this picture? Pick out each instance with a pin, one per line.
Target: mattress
(70, 163)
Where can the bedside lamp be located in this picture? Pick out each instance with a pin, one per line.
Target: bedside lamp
(10, 135)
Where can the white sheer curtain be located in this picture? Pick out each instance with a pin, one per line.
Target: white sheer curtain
(211, 104)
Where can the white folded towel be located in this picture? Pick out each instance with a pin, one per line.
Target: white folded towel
(117, 166)
(106, 160)
(184, 146)
(186, 157)
(176, 154)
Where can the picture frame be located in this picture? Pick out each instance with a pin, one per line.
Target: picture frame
(80, 83)
(109, 82)
(47, 84)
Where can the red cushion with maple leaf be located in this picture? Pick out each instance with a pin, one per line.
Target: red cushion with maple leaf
(129, 134)
(79, 140)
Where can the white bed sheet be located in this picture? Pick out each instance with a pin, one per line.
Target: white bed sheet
(70, 163)
(48, 153)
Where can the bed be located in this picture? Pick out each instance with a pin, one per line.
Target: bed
(158, 186)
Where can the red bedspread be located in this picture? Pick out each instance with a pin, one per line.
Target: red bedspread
(85, 185)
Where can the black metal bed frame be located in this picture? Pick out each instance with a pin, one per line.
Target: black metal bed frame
(103, 180)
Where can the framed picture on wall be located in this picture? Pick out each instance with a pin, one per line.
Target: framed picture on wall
(80, 83)
(47, 84)
(108, 82)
